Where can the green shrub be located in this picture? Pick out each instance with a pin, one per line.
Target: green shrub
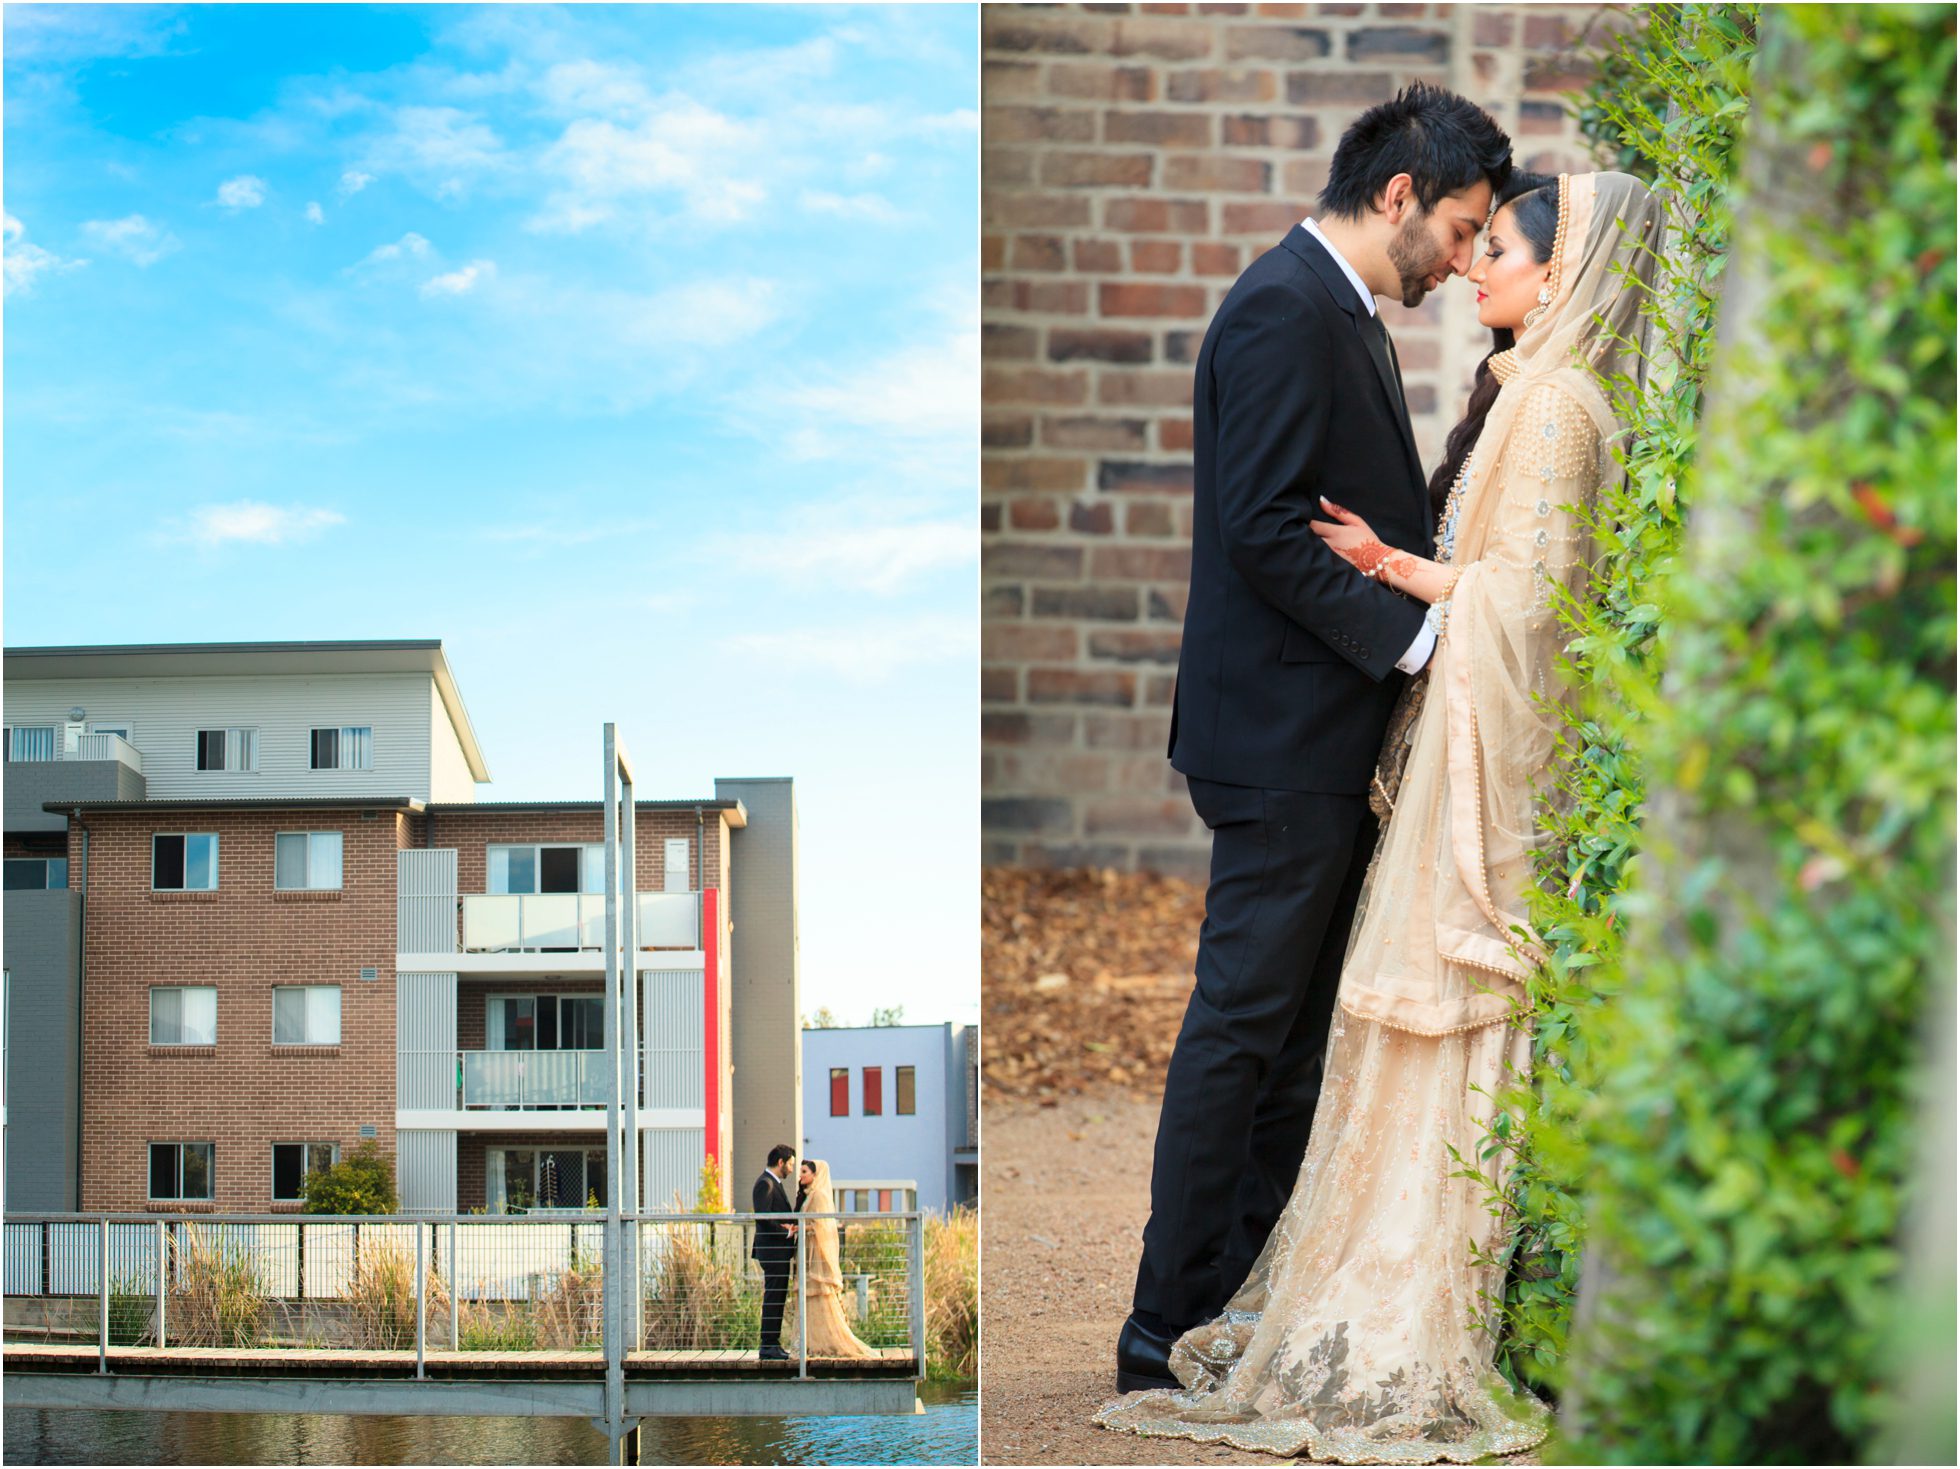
(132, 1309)
(363, 1182)
(1750, 1146)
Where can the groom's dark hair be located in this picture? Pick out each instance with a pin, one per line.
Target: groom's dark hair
(1443, 142)
(780, 1152)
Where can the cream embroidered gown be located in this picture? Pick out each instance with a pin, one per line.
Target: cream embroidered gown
(1354, 1339)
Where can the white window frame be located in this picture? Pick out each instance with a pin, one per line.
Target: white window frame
(13, 733)
(241, 749)
(180, 1197)
(309, 885)
(338, 1014)
(343, 743)
(155, 988)
(185, 887)
(493, 1171)
(591, 866)
(305, 1172)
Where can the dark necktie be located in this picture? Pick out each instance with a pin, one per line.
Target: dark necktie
(1388, 345)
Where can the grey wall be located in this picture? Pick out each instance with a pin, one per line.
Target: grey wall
(766, 1038)
(43, 936)
(30, 782)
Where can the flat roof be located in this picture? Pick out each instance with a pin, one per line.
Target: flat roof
(737, 813)
(246, 803)
(247, 660)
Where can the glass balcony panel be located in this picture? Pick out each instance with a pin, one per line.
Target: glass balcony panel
(550, 921)
(670, 921)
(516, 1080)
(490, 922)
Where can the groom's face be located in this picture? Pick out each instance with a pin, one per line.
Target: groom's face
(1428, 248)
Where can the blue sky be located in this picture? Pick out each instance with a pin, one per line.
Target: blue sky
(632, 351)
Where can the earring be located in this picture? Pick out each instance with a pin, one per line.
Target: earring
(1531, 317)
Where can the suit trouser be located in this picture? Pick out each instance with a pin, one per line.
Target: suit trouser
(775, 1291)
(1286, 873)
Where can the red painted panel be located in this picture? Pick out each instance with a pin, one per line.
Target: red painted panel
(874, 1090)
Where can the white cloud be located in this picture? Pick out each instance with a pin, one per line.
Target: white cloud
(410, 246)
(443, 149)
(708, 313)
(352, 182)
(67, 34)
(255, 523)
(247, 191)
(850, 206)
(25, 262)
(133, 237)
(866, 653)
(708, 161)
(314, 213)
(874, 558)
(460, 282)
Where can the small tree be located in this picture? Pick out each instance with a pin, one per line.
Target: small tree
(893, 1016)
(363, 1182)
(708, 1196)
(822, 1020)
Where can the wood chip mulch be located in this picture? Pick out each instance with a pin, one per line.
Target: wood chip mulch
(1086, 974)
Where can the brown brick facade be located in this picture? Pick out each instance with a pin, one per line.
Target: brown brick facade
(244, 1094)
(1135, 159)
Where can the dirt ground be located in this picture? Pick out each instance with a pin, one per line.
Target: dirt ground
(1085, 978)
(1067, 1188)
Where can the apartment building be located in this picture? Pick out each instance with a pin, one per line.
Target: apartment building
(255, 915)
(896, 1104)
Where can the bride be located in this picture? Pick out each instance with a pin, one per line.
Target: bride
(1353, 1339)
(822, 1296)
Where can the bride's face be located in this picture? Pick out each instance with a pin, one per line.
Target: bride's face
(1508, 276)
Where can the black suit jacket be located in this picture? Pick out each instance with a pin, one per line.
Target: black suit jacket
(773, 1241)
(1286, 676)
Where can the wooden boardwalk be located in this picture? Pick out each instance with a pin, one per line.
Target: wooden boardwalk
(68, 1357)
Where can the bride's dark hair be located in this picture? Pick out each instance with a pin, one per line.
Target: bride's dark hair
(1535, 196)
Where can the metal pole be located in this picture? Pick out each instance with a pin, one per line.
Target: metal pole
(615, 1363)
(163, 1266)
(629, 1027)
(421, 1296)
(102, 1290)
(802, 1300)
(916, 1283)
(455, 1295)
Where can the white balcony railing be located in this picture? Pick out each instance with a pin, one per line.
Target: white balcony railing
(106, 747)
(498, 922)
(516, 1080)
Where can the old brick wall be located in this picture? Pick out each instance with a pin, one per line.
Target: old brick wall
(1135, 159)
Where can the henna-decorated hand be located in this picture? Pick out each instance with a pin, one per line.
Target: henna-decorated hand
(1346, 534)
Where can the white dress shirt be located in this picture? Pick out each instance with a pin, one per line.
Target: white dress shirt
(1425, 643)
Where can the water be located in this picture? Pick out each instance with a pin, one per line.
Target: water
(946, 1433)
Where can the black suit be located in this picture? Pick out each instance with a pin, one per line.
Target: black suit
(774, 1250)
(1286, 679)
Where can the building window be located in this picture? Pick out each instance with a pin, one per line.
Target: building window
(874, 1091)
(293, 1162)
(546, 1022)
(347, 747)
(517, 1180)
(36, 872)
(29, 742)
(840, 1091)
(181, 1170)
(306, 1015)
(306, 860)
(184, 861)
(674, 875)
(227, 749)
(908, 1092)
(184, 1015)
(558, 869)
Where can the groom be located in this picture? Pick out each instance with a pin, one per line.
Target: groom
(1290, 666)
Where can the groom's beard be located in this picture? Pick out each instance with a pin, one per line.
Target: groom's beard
(1416, 257)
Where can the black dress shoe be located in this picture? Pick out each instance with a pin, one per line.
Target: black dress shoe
(1143, 1358)
(772, 1354)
